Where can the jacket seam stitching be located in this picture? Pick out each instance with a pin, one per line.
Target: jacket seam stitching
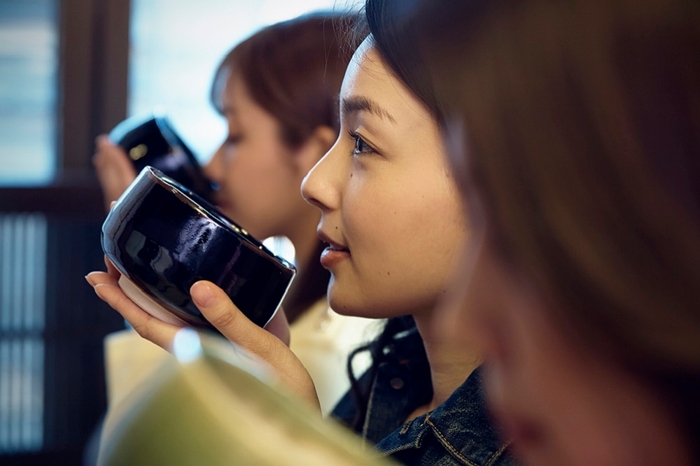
(497, 454)
(449, 447)
(370, 405)
(406, 446)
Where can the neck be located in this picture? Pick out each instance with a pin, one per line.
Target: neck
(449, 365)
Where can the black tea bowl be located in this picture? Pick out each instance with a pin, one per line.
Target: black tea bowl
(163, 238)
(151, 140)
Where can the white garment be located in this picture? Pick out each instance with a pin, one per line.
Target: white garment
(322, 340)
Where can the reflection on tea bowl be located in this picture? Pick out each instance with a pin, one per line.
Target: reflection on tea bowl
(163, 238)
(152, 140)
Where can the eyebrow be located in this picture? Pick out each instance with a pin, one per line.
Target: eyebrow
(359, 104)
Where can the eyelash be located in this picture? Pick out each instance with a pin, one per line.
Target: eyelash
(361, 146)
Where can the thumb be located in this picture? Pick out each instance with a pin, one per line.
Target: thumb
(220, 311)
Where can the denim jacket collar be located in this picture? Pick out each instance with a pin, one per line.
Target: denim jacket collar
(471, 441)
(458, 431)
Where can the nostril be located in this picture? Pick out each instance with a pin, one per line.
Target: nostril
(314, 202)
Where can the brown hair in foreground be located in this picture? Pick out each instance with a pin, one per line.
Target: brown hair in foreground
(579, 124)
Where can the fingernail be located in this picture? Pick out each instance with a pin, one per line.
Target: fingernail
(89, 280)
(202, 294)
(98, 292)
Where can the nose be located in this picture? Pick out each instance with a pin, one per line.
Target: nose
(322, 186)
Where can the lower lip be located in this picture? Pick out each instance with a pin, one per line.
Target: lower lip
(331, 257)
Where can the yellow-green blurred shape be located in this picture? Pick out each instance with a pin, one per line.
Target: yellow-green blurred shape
(215, 404)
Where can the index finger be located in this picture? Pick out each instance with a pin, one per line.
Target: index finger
(152, 329)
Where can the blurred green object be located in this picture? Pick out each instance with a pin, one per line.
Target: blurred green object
(216, 404)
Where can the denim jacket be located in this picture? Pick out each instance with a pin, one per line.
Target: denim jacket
(458, 432)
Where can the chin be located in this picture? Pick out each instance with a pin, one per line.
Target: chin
(344, 301)
(344, 306)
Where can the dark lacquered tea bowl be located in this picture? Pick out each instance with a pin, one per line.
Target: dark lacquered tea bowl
(163, 238)
(152, 141)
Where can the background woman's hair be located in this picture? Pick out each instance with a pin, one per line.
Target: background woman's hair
(580, 123)
(294, 70)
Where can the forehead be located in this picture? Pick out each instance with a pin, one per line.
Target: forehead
(368, 75)
(366, 66)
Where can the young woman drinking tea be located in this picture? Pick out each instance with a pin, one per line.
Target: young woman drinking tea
(393, 224)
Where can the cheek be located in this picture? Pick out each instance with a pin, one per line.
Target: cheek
(396, 254)
(365, 210)
(562, 402)
(254, 170)
(403, 229)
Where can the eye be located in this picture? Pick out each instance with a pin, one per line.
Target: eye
(232, 139)
(361, 146)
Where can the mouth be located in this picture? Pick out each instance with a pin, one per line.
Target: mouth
(219, 198)
(334, 253)
(332, 245)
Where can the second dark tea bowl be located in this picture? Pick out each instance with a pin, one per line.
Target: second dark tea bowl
(152, 140)
(163, 238)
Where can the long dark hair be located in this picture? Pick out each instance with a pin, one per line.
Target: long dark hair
(386, 23)
(582, 132)
(294, 70)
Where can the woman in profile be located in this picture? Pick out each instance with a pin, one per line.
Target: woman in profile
(393, 224)
(575, 137)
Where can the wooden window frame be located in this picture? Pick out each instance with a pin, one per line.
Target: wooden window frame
(91, 98)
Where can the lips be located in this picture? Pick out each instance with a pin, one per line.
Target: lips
(332, 245)
(334, 253)
(335, 247)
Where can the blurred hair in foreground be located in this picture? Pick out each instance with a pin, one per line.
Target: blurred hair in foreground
(575, 134)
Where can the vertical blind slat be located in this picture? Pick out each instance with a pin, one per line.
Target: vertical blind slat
(22, 309)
